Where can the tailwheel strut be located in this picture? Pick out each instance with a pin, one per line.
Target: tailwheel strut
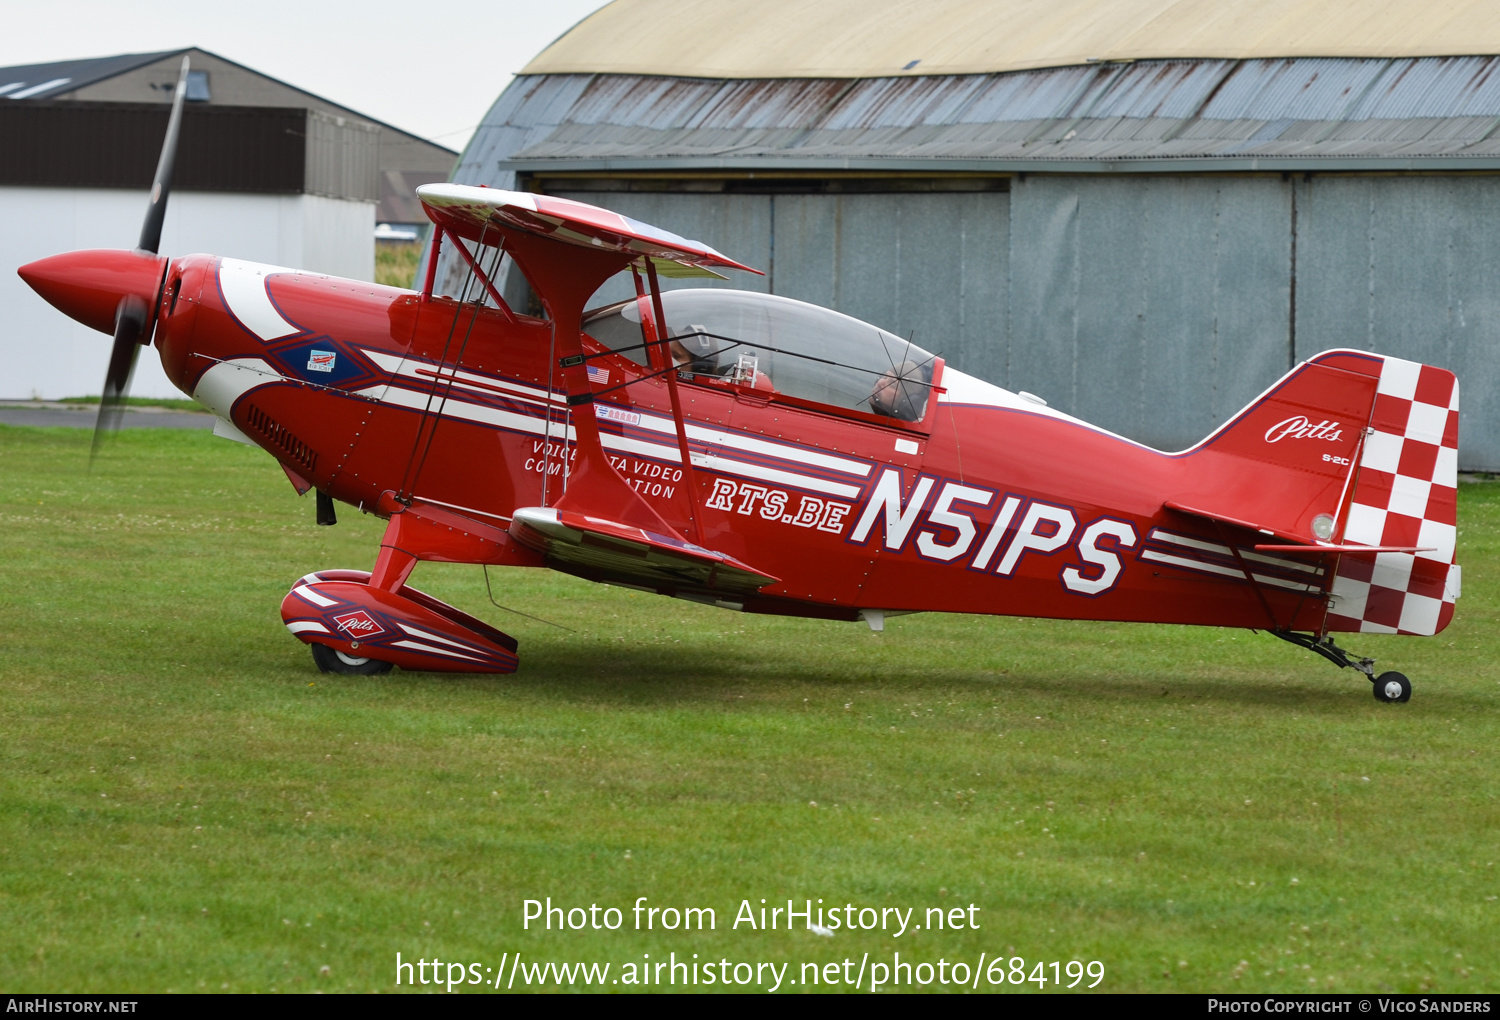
(1388, 687)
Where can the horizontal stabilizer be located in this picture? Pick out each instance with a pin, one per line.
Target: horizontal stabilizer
(1221, 518)
(608, 550)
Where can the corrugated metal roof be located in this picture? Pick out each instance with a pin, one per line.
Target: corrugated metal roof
(1219, 112)
(751, 39)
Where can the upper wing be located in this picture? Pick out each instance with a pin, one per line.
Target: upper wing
(474, 212)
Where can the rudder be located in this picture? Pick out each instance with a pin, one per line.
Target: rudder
(1405, 494)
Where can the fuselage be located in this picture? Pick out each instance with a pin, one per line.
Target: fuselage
(989, 503)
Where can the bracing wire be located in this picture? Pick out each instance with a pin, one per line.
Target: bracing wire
(547, 412)
(488, 591)
(427, 406)
(414, 465)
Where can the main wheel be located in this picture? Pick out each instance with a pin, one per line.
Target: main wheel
(1391, 687)
(331, 660)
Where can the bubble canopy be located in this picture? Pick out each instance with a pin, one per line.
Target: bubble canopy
(805, 351)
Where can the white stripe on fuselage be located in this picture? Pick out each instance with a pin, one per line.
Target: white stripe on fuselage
(515, 422)
(424, 372)
(227, 381)
(728, 466)
(244, 287)
(1224, 550)
(1217, 568)
(451, 408)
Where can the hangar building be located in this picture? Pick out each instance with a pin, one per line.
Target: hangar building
(403, 159)
(1143, 211)
(265, 172)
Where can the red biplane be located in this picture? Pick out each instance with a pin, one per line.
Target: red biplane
(762, 454)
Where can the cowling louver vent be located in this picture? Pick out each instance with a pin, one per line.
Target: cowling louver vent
(281, 437)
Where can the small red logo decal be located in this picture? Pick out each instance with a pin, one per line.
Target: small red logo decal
(359, 624)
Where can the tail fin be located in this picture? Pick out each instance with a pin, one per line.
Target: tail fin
(1352, 452)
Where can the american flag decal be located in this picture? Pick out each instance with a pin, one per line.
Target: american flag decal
(598, 375)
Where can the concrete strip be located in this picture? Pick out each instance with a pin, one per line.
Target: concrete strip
(82, 416)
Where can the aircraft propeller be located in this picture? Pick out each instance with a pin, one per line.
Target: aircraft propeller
(134, 318)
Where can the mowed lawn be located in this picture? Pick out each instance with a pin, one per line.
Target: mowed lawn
(186, 804)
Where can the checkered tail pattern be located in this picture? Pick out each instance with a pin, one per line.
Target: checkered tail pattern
(1405, 494)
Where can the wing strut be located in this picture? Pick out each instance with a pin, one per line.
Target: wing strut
(658, 336)
(567, 250)
(564, 277)
(483, 277)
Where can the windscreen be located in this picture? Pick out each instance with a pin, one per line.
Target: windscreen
(615, 331)
(801, 350)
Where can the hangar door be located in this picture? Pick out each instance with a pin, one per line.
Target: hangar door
(920, 262)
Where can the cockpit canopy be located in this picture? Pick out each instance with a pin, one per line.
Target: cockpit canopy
(805, 351)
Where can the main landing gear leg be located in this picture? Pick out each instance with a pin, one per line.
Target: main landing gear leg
(1388, 687)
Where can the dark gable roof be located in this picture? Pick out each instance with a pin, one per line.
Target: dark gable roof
(70, 74)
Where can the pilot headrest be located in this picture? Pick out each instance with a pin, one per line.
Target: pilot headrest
(696, 344)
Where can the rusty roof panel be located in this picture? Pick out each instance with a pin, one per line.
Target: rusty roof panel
(1302, 109)
(1308, 89)
(1441, 87)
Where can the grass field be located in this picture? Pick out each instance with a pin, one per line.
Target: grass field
(396, 263)
(186, 804)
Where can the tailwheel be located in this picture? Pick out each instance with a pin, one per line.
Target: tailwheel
(331, 660)
(1391, 686)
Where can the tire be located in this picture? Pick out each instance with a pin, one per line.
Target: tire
(331, 660)
(1392, 687)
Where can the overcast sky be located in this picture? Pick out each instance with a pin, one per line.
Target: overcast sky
(432, 67)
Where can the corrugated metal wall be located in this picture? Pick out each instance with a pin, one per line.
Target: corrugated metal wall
(929, 265)
(1152, 305)
(224, 148)
(343, 157)
(1408, 265)
(1157, 306)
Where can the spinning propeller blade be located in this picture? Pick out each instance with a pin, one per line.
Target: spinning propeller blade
(161, 186)
(133, 315)
(130, 322)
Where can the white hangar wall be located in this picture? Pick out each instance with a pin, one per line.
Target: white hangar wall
(44, 354)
